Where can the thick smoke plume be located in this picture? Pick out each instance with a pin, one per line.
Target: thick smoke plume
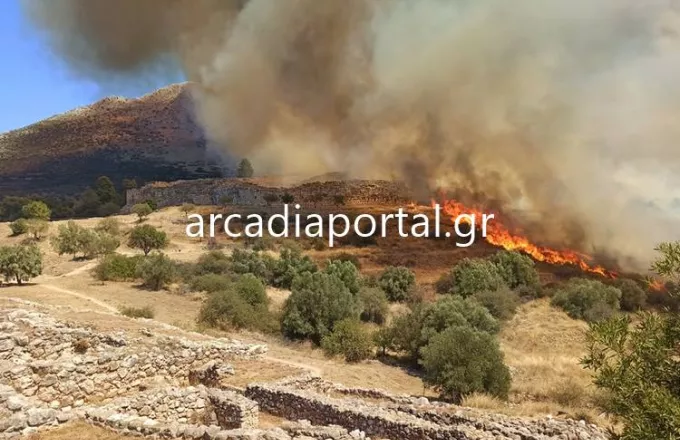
(564, 108)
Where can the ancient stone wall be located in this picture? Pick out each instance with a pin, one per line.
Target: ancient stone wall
(64, 366)
(405, 417)
(237, 192)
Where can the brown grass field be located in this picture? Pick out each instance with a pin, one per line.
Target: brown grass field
(542, 345)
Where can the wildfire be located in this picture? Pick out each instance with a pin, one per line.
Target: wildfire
(499, 235)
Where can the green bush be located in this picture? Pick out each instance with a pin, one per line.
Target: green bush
(586, 299)
(147, 238)
(501, 303)
(138, 312)
(36, 210)
(475, 275)
(226, 310)
(374, 305)
(210, 282)
(347, 272)
(19, 227)
(397, 283)
(142, 211)
(349, 339)
(72, 239)
(116, 267)
(213, 262)
(517, 270)
(251, 289)
(291, 263)
(260, 265)
(156, 271)
(461, 360)
(633, 298)
(316, 303)
(20, 263)
(109, 226)
(346, 256)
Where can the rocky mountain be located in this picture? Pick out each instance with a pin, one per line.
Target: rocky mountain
(155, 137)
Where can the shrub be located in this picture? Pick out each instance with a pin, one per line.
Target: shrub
(142, 211)
(227, 310)
(156, 271)
(397, 282)
(188, 208)
(374, 305)
(20, 262)
(67, 240)
(37, 228)
(262, 244)
(410, 332)
(347, 272)
(589, 300)
(72, 239)
(349, 339)
(243, 262)
(461, 360)
(633, 298)
(138, 312)
(116, 267)
(502, 303)
(291, 263)
(251, 289)
(475, 275)
(109, 226)
(36, 210)
(147, 238)
(445, 283)
(210, 282)
(215, 262)
(19, 227)
(517, 270)
(317, 302)
(346, 256)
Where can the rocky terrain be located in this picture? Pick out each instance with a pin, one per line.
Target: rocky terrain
(151, 138)
(53, 373)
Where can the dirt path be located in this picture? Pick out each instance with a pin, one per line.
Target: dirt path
(81, 296)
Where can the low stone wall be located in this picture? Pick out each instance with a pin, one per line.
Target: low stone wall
(244, 193)
(69, 366)
(416, 420)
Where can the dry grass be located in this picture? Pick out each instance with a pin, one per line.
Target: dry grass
(79, 431)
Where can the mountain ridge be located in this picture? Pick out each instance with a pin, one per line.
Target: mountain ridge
(153, 137)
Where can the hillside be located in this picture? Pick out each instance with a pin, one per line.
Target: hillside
(154, 137)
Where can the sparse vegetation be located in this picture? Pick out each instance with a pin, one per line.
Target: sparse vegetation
(37, 228)
(188, 208)
(19, 227)
(586, 299)
(397, 283)
(109, 226)
(349, 339)
(137, 312)
(147, 238)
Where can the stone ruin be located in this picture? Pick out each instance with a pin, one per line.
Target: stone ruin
(240, 192)
(53, 373)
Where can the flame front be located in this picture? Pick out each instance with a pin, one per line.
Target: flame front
(497, 234)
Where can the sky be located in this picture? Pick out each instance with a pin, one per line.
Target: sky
(35, 84)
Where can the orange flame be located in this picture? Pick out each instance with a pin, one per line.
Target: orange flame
(656, 285)
(497, 234)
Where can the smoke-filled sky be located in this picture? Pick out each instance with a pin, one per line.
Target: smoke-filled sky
(569, 107)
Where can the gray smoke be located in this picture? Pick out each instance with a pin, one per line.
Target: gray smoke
(565, 109)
